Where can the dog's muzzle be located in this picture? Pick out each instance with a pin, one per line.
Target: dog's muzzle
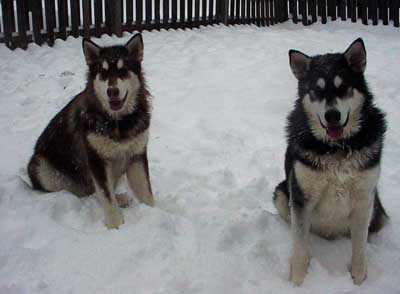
(333, 130)
(116, 103)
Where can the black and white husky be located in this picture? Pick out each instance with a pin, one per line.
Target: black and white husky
(335, 139)
(101, 134)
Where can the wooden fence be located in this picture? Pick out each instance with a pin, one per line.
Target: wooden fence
(39, 21)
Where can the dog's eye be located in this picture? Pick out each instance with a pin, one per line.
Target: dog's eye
(123, 72)
(103, 73)
(317, 92)
(342, 90)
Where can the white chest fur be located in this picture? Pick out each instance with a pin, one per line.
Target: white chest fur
(334, 191)
(112, 149)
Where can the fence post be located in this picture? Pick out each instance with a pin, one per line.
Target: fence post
(86, 18)
(222, 11)
(6, 11)
(395, 11)
(22, 24)
(117, 25)
(278, 10)
(62, 18)
(50, 20)
(226, 12)
(37, 21)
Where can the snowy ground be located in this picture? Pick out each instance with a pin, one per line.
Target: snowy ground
(216, 152)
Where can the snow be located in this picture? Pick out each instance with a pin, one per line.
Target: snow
(221, 95)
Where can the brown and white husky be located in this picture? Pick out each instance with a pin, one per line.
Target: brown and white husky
(101, 134)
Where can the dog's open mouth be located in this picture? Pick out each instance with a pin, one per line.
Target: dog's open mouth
(116, 104)
(335, 132)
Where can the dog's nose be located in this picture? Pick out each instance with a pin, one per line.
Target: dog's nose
(332, 117)
(113, 93)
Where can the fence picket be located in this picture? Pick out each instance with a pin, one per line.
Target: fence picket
(165, 11)
(284, 14)
(323, 11)
(75, 17)
(204, 12)
(62, 18)
(332, 9)
(263, 13)
(237, 12)
(22, 10)
(342, 9)
(117, 18)
(353, 10)
(373, 11)
(395, 9)
(148, 15)
(183, 15)
(196, 13)
(139, 14)
(383, 12)
(248, 12)
(157, 18)
(293, 9)
(86, 9)
(37, 21)
(364, 12)
(50, 20)
(129, 12)
(7, 19)
(174, 13)
(312, 10)
(189, 13)
(303, 11)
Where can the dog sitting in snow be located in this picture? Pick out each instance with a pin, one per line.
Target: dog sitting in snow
(101, 134)
(335, 138)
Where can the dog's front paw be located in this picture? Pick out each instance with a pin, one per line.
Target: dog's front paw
(123, 200)
(149, 200)
(359, 271)
(298, 270)
(114, 218)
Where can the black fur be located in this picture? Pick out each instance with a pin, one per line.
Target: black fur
(300, 138)
(64, 143)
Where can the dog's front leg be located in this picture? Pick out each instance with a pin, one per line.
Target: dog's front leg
(301, 209)
(359, 221)
(362, 200)
(103, 182)
(301, 252)
(139, 179)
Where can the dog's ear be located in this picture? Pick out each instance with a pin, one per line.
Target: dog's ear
(135, 46)
(356, 56)
(90, 50)
(299, 63)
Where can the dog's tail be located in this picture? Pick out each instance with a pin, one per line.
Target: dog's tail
(379, 216)
(281, 200)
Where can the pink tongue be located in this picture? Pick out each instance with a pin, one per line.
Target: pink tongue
(334, 132)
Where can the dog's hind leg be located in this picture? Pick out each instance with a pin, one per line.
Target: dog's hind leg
(139, 179)
(281, 200)
(45, 177)
(379, 216)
